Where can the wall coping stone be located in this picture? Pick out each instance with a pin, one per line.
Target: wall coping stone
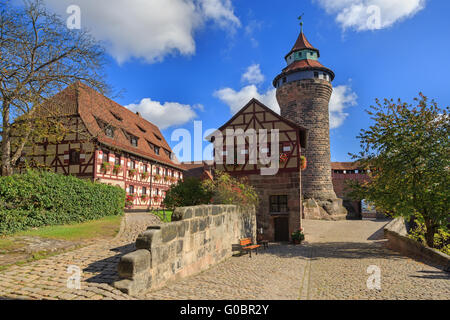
(398, 238)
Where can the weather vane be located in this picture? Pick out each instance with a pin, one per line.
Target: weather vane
(301, 21)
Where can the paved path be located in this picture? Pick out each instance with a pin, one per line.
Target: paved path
(342, 251)
(47, 278)
(331, 265)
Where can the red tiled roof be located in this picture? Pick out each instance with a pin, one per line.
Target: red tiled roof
(345, 166)
(303, 64)
(91, 105)
(302, 43)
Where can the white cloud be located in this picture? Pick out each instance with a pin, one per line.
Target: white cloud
(362, 15)
(253, 75)
(342, 98)
(236, 100)
(165, 115)
(252, 27)
(149, 30)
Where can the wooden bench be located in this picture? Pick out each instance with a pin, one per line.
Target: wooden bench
(247, 246)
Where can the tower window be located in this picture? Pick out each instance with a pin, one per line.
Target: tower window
(284, 80)
(316, 75)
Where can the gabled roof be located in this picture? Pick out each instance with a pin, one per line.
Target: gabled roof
(94, 107)
(304, 131)
(301, 44)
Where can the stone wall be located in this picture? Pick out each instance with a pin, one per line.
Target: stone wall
(284, 183)
(396, 233)
(201, 237)
(305, 102)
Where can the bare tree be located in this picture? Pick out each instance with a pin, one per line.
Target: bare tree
(39, 56)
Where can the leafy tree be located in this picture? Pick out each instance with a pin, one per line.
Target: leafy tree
(39, 56)
(407, 153)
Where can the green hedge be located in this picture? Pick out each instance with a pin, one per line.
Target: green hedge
(39, 198)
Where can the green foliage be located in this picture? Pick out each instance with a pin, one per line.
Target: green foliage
(223, 190)
(229, 190)
(441, 237)
(40, 198)
(298, 236)
(189, 192)
(407, 152)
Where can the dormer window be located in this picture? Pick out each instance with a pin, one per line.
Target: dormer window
(134, 141)
(132, 138)
(116, 116)
(168, 153)
(140, 128)
(157, 149)
(106, 127)
(109, 132)
(157, 137)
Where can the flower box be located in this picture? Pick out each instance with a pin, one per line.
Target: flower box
(144, 175)
(106, 166)
(284, 157)
(117, 169)
(132, 173)
(303, 163)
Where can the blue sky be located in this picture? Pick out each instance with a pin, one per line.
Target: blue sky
(184, 60)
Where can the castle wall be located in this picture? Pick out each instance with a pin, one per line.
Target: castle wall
(203, 236)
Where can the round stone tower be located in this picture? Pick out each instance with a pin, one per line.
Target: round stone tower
(303, 92)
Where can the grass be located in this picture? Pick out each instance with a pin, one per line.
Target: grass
(160, 214)
(106, 227)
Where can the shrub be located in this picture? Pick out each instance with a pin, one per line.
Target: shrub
(223, 190)
(441, 237)
(188, 192)
(39, 198)
(229, 190)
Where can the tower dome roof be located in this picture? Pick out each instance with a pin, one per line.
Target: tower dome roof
(301, 44)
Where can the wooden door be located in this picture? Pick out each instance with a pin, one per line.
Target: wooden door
(281, 226)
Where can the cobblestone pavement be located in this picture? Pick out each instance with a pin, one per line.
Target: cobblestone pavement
(332, 264)
(47, 278)
(273, 274)
(342, 251)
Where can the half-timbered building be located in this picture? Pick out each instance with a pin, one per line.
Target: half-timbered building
(108, 143)
(280, 208)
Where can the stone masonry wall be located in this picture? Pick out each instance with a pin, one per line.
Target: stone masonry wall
(287, 183)
(305, 102)
(203, 236)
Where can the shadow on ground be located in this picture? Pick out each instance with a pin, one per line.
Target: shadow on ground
(106, 269)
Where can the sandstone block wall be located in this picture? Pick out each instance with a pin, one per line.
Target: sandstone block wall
(398, 240)
(284, 183)
(202, 237)
(306, 102)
